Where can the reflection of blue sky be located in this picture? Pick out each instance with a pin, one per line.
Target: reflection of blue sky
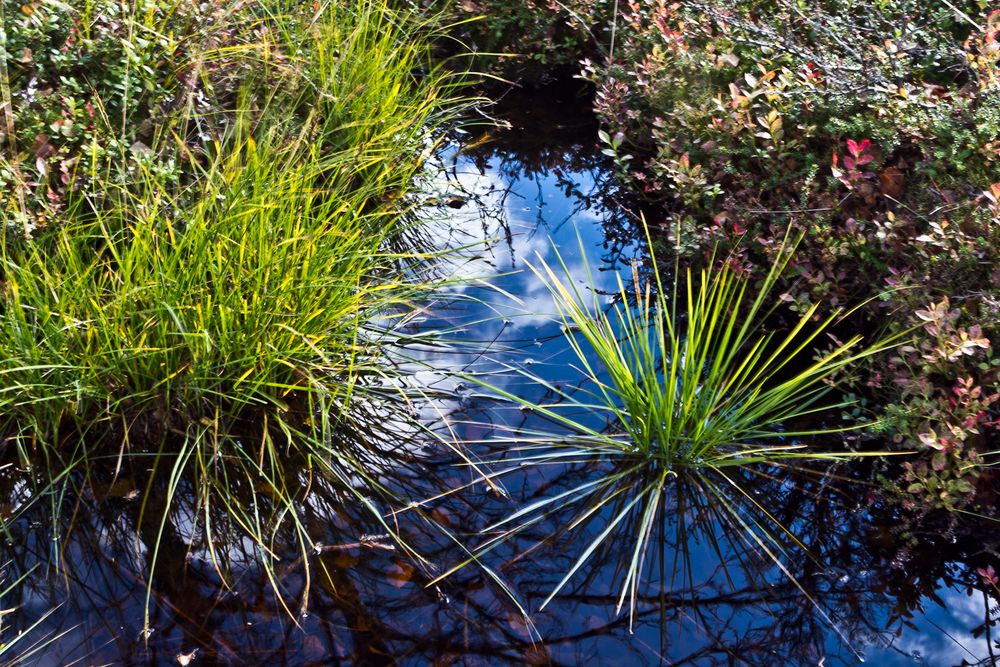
(942, 635)
(539, 219)
(509, 224)
(506, 227)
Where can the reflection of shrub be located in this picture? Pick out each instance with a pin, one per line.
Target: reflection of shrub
(529, 35)
(17, 648)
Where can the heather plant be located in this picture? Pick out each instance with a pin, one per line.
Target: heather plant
(869, 126)
(97, 86)
(762, 86)
(946, 379)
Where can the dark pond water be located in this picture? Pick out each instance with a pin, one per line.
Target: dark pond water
(852, 584)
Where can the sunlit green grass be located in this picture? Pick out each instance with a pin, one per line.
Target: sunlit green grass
(232, 330)
(684, 381)
(259, 289)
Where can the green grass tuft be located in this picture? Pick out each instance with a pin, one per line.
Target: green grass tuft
(690, 383)
(229, 327)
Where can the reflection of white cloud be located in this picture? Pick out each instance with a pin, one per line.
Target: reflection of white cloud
(503, 229)
(944, 636)
(491, 256)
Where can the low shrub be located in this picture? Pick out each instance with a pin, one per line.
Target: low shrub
(869, 126)
(95, 85)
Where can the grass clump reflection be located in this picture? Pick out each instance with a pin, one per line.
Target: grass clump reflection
(690, 384)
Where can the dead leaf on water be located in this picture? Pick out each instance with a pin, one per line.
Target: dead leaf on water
(892, 182)
(313, 648)
(345, 561)
(518, 624)
(442, 517)
(121, 488)
(400, 574)
(537, 654)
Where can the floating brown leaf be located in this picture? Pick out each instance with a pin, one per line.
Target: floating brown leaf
(400, 574)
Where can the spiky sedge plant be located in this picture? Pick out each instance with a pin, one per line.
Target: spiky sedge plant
(690, 383)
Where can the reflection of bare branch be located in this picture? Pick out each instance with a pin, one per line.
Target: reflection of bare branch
(358, 609)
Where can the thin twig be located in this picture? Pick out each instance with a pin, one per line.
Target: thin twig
(962, 15)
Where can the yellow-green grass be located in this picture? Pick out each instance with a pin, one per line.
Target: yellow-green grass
(228, 327)
(691, 381)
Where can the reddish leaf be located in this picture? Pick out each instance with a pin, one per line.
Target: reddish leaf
(856, 148)
(537, 655)
(400, 574)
